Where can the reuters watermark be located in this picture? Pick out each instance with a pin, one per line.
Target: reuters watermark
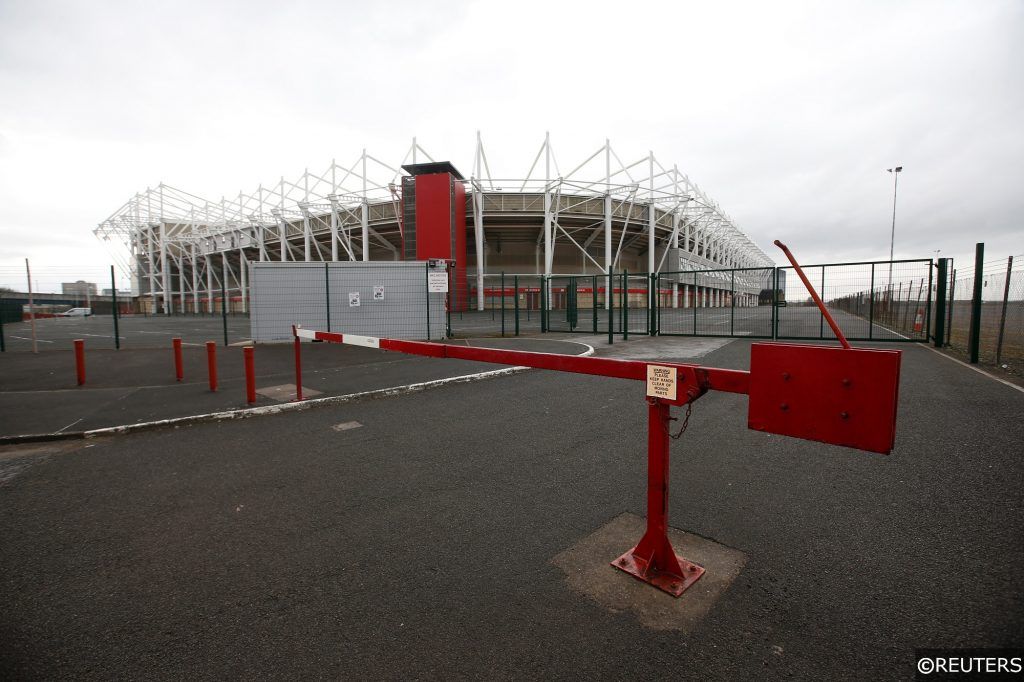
(969, 663)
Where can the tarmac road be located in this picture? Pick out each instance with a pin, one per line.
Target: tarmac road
(418, 544)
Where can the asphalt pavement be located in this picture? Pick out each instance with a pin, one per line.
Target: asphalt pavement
(418, 543)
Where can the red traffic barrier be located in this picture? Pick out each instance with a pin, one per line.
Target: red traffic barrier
(179, 371)
(250, 375)
(80, 361)
(211, 363)
(844, 396)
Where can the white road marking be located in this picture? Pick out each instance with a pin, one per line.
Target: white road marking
(346, 426)
(979, 370)
(69, 425)
(28, 339)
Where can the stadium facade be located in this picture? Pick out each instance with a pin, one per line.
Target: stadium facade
(602, 216)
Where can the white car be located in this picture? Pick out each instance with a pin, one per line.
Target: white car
(76, 312)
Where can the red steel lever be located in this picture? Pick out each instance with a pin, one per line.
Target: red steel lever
(814, 295)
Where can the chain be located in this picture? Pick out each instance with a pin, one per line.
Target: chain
(686, 422)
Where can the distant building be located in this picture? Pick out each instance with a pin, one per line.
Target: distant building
(79, 288)
(120, 294)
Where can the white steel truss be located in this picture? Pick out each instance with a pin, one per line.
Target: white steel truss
(181, 250)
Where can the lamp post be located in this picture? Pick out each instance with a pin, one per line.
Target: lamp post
(892, 237)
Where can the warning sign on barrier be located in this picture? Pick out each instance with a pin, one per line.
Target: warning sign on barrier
(661, 382)
(353, 299)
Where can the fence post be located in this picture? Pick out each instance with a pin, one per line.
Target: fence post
(113, 293)
(224, 307)
(593, 299)
(871, 305)
(732, 305)
(426, 282)
(543, 315)
(625, 305)
(3, 347)
(327, 293)
(694, 304)
(974, 342)
(774, 302)
(515, 299)
(298, 367)
(952, 302)
(940, 304)
(653, 304)
(610, 297)
(1002, 316)
(928, 307)
(503, 303)
(821, 318)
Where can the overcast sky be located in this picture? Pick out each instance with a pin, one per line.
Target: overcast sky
(786, 113)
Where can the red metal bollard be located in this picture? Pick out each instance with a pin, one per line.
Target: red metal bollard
(179, 371)
(80, 360)
(653, 560)
(211, 363)
(250, 375)
(298, 370)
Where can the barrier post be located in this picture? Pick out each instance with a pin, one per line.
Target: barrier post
(298, 369)
(80, 361)
(211, 363)
(653, 560)
(250, 375)
(179, 372)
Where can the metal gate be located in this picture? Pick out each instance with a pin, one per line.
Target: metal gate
(870, 301)
(734, 302)
(575, 303)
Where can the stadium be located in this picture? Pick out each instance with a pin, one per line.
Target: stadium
(601, 216)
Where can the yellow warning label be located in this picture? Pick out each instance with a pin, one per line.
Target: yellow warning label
(661, 382)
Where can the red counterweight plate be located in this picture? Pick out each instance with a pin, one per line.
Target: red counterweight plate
(843, 396)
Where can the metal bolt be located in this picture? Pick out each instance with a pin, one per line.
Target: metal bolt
(844, 415)
(785, 376)
(846, 382)
(784, 407)
(691, 569)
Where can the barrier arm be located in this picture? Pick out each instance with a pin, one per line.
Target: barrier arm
(839, 395)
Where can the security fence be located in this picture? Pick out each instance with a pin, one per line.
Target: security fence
(903, 300)
(998, 305)
(870, 301)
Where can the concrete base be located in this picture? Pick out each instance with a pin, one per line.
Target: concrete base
(588, 571)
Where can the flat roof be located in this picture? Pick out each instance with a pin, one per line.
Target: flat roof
(432, 167)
